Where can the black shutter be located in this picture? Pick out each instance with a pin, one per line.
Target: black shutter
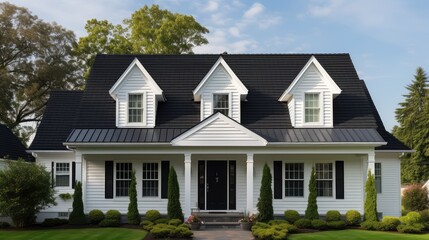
(165, 171)
(52, 174)
(108, 179)
(73, 174)
(339, 179)
(278, 181)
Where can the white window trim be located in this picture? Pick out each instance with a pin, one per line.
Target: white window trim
(144, 105)
(284, 181)
(114, 178)
(321, 113)
(334, 193)
(70, 175)
(229, 102)
(159, 181)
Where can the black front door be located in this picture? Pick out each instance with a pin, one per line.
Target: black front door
(216, 185)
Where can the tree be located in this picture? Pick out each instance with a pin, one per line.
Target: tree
(150, 30)
(174, 208)
(35, 57)
(77, 217)
(265, 201)
(413, 118)
(312, 210)
(415, 198)
(133, 211)
(370, 207)
(25, 190)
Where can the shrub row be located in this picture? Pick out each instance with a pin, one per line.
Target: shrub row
(352, 218)
(411, 223)
(53, 222)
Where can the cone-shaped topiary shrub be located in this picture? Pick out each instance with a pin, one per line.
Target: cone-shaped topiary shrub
(311, 212)
(265, 201)
(370, 207)
(174, 208)
(133, 214)
(77, 216)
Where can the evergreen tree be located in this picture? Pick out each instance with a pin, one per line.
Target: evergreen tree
(133, 211)
(265, 201)
(370, 208)
(311, 212)
(77, 216)
(413, 118)
(174, 208)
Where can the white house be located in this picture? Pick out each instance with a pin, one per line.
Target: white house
(217, 119)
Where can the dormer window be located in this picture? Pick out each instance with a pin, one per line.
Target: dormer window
(221, 103)
(312, 107)
(135, 108)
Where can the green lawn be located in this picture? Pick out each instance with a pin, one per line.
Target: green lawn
(75, 234)
(357, 235)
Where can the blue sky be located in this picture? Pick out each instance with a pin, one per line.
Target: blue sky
(387, 39)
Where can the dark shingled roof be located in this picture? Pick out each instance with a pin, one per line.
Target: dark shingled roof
(58, 120)
(266, 76)
(11, 147)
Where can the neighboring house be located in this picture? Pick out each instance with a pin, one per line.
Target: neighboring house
(217, 119)
(11, 147)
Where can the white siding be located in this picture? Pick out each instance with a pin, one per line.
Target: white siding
(46, 159)
(220, 82)
(389, 200)
(221, 133)
(353, 184)
(311, 81)
(136, 82)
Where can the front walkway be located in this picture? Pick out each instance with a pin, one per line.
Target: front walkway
(222, 234)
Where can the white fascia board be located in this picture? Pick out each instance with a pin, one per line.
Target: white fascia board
(48, 151)
(240, 86)
(115, 144)
(335, 90)
(156, 89)
(176, 141)
(395, 151)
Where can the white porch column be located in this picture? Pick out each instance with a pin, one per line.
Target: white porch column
(371, 162)
(78, 163)
(187, 185)
(249, 185)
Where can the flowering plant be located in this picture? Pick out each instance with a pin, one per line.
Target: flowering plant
(193, 219)
(248, 218)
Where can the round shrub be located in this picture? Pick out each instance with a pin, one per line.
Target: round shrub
(411, 218)
(319, 224)
(277, 222)
(146, 225)
(337, 225)
(175, 222)
(152, 215)
(389, 224)
(353, 217)
(181, 232)
(96, 216)
(370, 225)
(303, 223)
(289, 227)
(109, 223)
(268, 232)
(161, 221)
(415, 198)
(291, 216)
(113, 215)
(333, 215)
(161, 230)
(413, 228)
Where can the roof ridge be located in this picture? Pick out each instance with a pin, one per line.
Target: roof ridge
(229, 54)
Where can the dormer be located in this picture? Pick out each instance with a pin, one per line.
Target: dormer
(137, 95)
(220, 91)
(310, 97)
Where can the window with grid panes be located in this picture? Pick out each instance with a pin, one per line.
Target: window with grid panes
(221, 103)
(135, 108)
(123, 178)
(312, 108)
(294, 179)
(377, 176)
(324, 179)
(150, 186)
(62, 174)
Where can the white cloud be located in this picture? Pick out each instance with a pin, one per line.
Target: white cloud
(254, 10)
(234, 31)
(212, 6)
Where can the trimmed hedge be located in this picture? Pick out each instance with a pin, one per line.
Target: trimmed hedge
(53, 222)
(319, 224)
(265, 231)
(389, 224)
(113, 215)
(109, 223)
(333, 215)
(411, 223)
(170, 231)
(152, 215)
(175, 222)
(303, 223)
(370, 225)
(353, 217)
(292, 215)
(337, 225)
(162, 221)
(96, 216)
(146, 225)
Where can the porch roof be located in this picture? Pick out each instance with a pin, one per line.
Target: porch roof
(165, 135)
